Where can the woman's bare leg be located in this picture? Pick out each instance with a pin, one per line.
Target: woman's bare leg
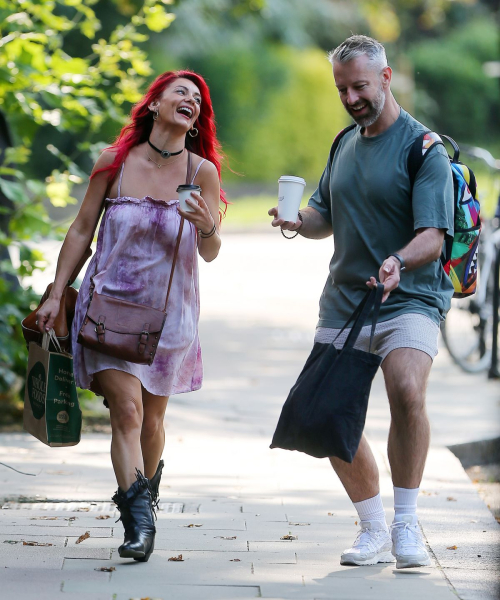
(153, 431)
(123, 393)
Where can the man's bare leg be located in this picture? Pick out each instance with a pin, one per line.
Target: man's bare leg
(406, 372)
(359, 478)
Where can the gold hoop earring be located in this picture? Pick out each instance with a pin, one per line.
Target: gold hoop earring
(191, 132)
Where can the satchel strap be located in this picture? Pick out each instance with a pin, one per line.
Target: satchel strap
(372, 299)
(179, 235)
(174, 260)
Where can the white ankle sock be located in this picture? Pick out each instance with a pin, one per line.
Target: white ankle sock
(405, 501)
(371, 510)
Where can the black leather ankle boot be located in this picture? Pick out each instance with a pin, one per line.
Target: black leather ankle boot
(154, 484)
(136, 514)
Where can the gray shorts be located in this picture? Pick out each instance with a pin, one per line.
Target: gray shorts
(411, 330)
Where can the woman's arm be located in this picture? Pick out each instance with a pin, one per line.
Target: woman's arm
(76, 241)
(206, 211)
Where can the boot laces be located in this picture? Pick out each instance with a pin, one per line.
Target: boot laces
(145, 483)
(409, 536)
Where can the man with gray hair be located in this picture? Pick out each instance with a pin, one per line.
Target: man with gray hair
(383, 229)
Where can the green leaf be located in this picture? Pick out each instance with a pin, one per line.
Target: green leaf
(18, 155)
(13, 190)
(157, 19)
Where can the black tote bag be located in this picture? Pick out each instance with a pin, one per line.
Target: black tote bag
(324, 414)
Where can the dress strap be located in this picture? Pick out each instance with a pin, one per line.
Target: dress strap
(197, 169)
(120, 180)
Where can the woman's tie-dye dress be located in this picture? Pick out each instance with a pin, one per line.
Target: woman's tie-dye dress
(132, 261)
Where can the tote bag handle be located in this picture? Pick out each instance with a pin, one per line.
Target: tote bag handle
(372, 299)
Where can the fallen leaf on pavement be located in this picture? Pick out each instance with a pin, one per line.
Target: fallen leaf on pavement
(82, 509)
(288, 537)
(36, 544)
(235, 560)
(355, 522)
(222, 537)
(44, 518)
(12, 541)
(330, 514)
(451, 499)
(299, 524)
(176, 558)
(105, 569)
(451, 547)
(194, 525)
(104, 517)
(84, 536)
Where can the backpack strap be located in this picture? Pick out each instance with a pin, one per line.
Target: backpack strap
(420, 150)
(337, 139)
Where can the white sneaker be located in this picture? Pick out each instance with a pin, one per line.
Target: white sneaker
(371, 546)
(408, 544)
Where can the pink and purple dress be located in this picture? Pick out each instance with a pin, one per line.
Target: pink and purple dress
(132, 261)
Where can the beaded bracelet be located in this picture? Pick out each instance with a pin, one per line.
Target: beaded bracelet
(296, 232)
(207, 235)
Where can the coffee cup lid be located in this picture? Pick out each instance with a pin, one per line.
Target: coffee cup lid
(188, 186)
(292, 179)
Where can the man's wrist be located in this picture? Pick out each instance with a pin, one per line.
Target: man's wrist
(295, 231)
(400, 259)
(301, 219)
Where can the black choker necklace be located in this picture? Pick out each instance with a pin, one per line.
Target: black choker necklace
(164, 153)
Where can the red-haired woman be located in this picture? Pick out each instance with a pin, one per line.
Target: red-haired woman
(170, 140)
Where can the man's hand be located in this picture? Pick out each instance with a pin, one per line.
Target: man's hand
(389, 274)
(286, 225)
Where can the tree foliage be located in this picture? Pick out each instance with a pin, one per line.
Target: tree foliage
(44, 87)
(459, 98)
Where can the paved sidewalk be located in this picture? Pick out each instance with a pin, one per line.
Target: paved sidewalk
(227, 500)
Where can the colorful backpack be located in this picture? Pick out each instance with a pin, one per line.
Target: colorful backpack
(460, 255)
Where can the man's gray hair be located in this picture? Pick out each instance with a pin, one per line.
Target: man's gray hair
(358, 45)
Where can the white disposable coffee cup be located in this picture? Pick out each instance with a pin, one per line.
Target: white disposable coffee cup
(184, 192)
(289, 196)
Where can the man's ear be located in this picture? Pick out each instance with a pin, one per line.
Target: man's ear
(386, 76)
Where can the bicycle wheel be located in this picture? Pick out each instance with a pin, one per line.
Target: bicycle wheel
(467, 334)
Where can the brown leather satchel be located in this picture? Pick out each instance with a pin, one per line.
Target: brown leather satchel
(123, 329)
(64, 319)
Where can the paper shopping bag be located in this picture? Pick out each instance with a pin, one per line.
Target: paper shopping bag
(51, 409)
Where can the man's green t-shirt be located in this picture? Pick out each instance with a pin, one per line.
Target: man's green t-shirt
(365, 194)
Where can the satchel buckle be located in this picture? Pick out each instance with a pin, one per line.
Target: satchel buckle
(143, 340)
(100, 329)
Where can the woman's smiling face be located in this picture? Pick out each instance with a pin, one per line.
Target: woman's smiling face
(179, 103)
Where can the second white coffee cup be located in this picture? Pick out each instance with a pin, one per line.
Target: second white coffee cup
(290, 192)
(184, 192)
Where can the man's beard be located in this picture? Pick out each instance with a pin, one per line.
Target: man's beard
(375, 109)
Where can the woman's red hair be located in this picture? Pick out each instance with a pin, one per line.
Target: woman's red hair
(205, 144)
